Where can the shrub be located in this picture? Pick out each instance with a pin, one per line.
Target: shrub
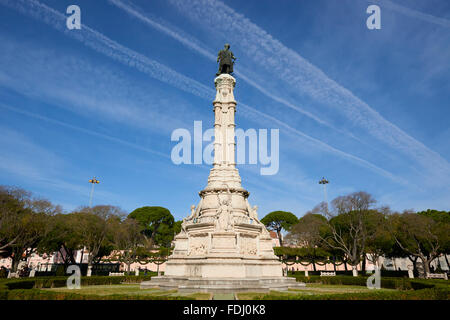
(384, 273)
(342, 280)
(3, 291)
(60, 271)
(3, 273)
(387, 283)
(424, 294)
(57, 282)
(36, 294)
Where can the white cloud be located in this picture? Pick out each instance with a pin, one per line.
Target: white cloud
(116, 51)
(301, 76)
(29, 162)
(194, 44)
(413, 13)
(198, 47)
(86, 131)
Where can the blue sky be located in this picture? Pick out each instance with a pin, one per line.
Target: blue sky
(368, 109)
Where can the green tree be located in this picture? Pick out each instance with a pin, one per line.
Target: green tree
(23, 223)
(278, 220)
(348, 227)
(94, 228)
(157, 224)
(420, 236)
(64, 236)
(442, 217)
(379, 241)
(436, 215)
(12, 208)
(127, 239)
(306, 233)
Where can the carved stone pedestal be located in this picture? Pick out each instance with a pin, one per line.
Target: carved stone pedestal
(223, 246)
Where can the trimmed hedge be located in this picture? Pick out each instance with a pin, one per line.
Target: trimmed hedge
(384, 273)
(29, 289)
(3, 291)
(419, 289)
(57, 282)
(424, 294)
(36, 294)
(387, 283)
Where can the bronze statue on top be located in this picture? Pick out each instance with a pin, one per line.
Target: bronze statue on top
(226, 60)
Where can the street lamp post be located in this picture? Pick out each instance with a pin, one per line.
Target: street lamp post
(325, 182)
(94, 182)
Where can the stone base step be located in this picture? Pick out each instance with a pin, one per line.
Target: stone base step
(222, 285)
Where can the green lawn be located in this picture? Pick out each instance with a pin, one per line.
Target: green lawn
(312, 289)
(129, 289)
(416, 290)
(135, 290)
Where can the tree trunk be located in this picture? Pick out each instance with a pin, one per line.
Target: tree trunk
(345, 265)
(68, 256)
(90, 258)
(152, 237)
(363, 266)
(414, 260)
(279, 237)
(426, 265)
(15, 263)
(314, 259)
(82, 255)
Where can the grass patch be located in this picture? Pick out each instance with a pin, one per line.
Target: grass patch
(223, 296)
(199, 296)
(129, 290)
(250, 295)
(312, 289)
(317, 288)
(101, 290)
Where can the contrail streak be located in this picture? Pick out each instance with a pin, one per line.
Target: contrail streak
(304, 77)
(84, 130)
(194, 44)
(413, 13)
(118, 52)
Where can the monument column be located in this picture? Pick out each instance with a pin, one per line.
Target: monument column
(224, 110)
(222, 244)
(224, 170)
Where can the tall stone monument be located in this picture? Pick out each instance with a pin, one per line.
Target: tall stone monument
(222, 245)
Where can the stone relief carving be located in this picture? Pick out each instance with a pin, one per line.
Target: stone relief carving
(197, 246)
(248, 246)
(224, 92)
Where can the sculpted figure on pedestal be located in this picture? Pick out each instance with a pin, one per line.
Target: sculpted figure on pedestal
(226, 60)
(223, 217)
(194, 214)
